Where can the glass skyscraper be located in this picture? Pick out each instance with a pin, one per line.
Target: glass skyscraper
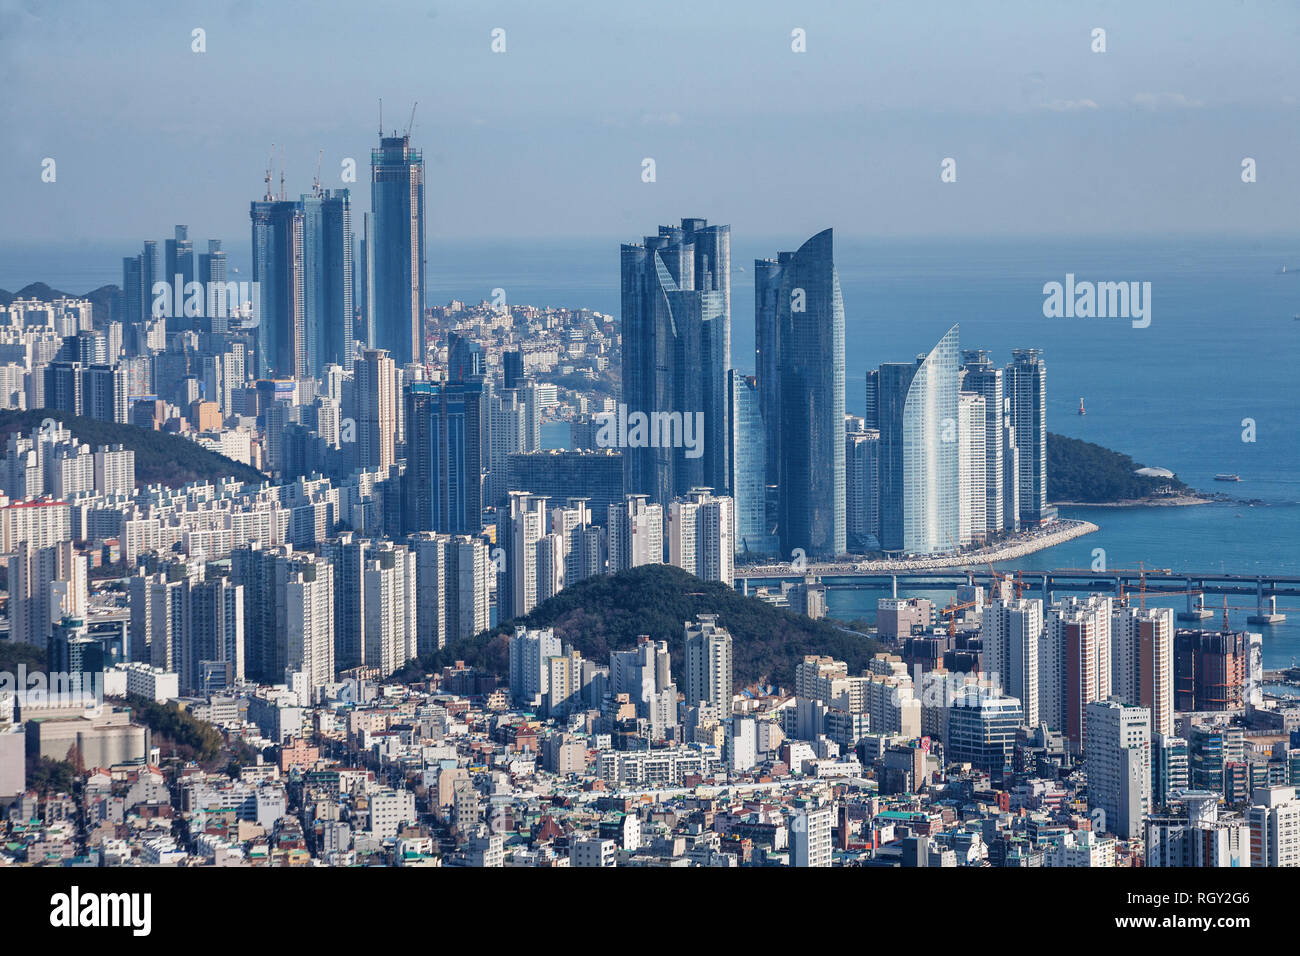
(984, 379)
(919, 447)
(139, 273)
(327, 279)
(861, 491)
(746, 444)
(279, 308)
(212, 265)
(676, 311)
(396, 249)
(799, 339)
(445, 428)
(1026, 386)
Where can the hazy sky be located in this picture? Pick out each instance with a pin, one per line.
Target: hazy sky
(547, 138)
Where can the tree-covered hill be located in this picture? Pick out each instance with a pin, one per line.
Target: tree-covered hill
(1081, 471)
(608, 612)
(159, 458)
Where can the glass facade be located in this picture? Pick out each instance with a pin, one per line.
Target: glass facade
(799, 338)
(327, 268)
(985, 380)
(279, 309)
(559, 475)
(676, 312)
(919, 452)
(395, 249)
(1026, 386)
(861, 490)
(443, 483)
(748, 466)
(982, 731)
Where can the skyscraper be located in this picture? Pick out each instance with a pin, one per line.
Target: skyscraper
(676, 302)
(701, 535)
(636, 533)
(212, 265)
(1119, 765)
(376, 399)
(1010, 631)
(103, 393)
(347, 555)
(1074, 664)
(708, 664)
(288, 614)
(446, 425)
(396, 248)
(179, 260)
(1026, 386)
(1142, 662)
(799, 338)
(327, 279)
(451, 588)
(388, 584)
(972, 475)
(133, 291)
(984, 379)
(279, 308)
(527, 527)
(919, 452)
(871, 417)
(746, 444)
(862, 490)
(212, 656)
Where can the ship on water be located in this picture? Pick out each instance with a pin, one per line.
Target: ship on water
(1227, 477)
(1082, 410)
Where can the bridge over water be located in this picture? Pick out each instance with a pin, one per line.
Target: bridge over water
(1264, 589)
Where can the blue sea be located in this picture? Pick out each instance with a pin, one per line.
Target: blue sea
(1222, 347)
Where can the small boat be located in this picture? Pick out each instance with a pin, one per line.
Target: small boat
(1227, 478)
(1082, 410)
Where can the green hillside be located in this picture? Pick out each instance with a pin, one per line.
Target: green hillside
(159, 458)
(1081, 471)
(607, 613)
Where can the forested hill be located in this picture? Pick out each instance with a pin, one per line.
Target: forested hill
(1081, 471)
(606, 613)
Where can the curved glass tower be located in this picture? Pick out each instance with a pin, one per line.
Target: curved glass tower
(799, 336)
(919, 452)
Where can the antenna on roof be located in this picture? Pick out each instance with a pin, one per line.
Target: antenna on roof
(281, 173)
(381, 117)
(269, 163)
(315, 183)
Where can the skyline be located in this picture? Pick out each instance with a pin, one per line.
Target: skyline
(477, 502)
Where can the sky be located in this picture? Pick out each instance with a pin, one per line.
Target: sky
(548, 138)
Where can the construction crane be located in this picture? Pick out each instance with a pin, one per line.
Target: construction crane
(411, 125)
(951, 612)
(997, 578)
(270, 162)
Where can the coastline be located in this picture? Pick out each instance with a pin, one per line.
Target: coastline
(1060, 531)
(1164, 501)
